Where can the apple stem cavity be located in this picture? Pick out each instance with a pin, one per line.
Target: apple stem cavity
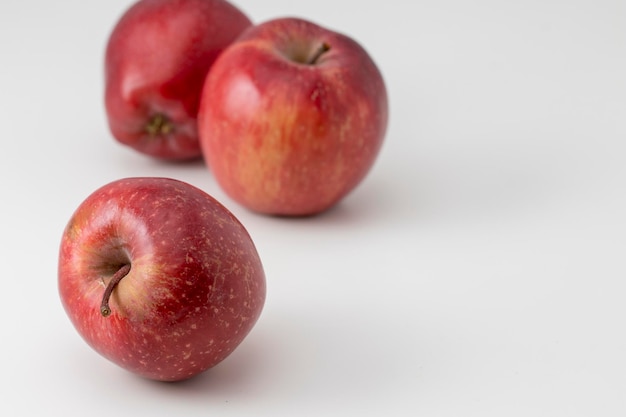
(105, 310)
(318, 53)
(159, 125)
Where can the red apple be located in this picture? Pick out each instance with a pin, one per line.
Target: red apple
(159, 277)
(156, 61)
(292, 117)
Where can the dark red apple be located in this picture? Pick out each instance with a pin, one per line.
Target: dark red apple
(157, 58)
(159, 277)
(292, 117)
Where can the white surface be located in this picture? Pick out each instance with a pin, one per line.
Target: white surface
(478, 271)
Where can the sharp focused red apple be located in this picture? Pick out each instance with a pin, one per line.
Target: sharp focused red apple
(292, 117)
(156, 61)
(159, 277)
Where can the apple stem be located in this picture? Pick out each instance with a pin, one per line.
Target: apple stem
(105, 310)
(158, 125)
(320, 51)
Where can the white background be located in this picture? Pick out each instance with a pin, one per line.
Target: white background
(477, 271)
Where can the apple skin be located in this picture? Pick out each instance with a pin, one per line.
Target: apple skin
(156, 60)
(196, 285)
(287, 134)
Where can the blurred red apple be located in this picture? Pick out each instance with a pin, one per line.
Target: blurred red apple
(156, 61)
(159, 277)
(292, 117)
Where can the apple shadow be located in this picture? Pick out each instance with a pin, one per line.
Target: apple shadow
(375, 201)
(185, 165)
(505, 179)
(378, 199)
(133, 161)
(302, 356)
